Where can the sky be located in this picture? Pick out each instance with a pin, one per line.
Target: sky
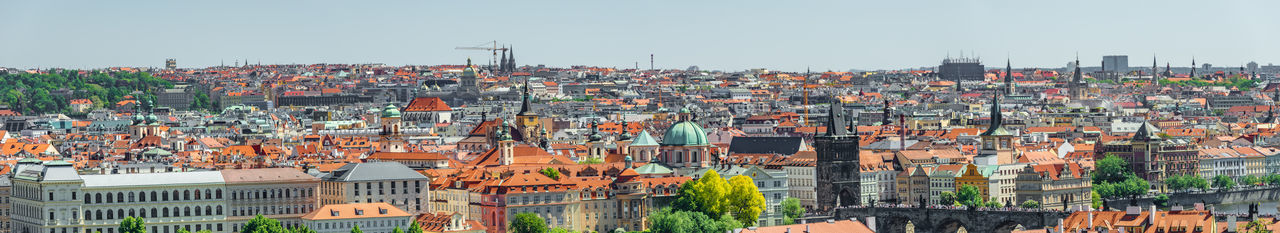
(713, 35)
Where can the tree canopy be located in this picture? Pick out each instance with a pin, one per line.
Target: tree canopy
(667, 220)
(527, 223)
(260, 224)
(791, 210)
(132, 225)
(51, 92)
(715, 196)
(1223, 182)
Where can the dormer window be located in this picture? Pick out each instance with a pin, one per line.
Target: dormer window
(333, 213)
(382, 210)
(359, 212)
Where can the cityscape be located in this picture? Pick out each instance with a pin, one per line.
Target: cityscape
(471, 138)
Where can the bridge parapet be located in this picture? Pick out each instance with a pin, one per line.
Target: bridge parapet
(945, 219)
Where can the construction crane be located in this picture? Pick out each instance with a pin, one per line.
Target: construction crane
(493, 46)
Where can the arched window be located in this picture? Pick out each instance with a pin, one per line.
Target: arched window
(176, 197)
(186, 211)
(120, 213)
(88, 215)
(142, 196)
(197, 210)
(142, 213)
(197, 194)
(164, 195)
(88, 198)
(219, 194)
(119, 197)
(165, 211)
(219, 210)
(131, 199)
(111, 215)
(98, 215)
(131, 213)
(154, 212)
(153, 198)
(186, 195)
(208, 194)
(109, 199)
(208, 210)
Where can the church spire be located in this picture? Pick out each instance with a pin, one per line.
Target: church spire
(1008, 77)
(524, 105)
(997, 120)
(502, 64)
(511, 59)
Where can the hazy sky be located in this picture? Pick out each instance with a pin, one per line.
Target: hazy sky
(724, 35)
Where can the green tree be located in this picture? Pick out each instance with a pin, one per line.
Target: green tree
(1161, 200)
(558, 230)
(1250, 180)
(414, 227)
(791, 210)
(947, 198)
(1222, 182)
(356, 229)
(970, 196)
(260, 224)
(1097, 199)
(551, 172)
(1111, 169)
(1273, 179)
(1255, 226)
(1177, 183)
(397, 230)
(1030, 204)
(745, 200)
(132, 225)
(1198, 182)
(667, 220)
(528, 223)
(591, 161)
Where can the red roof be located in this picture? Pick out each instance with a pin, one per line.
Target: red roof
(427, 104)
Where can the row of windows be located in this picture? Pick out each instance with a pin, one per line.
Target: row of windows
(153, 213)
(272, 193)
(142, 196)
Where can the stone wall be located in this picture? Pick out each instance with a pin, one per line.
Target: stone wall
(1213, 198)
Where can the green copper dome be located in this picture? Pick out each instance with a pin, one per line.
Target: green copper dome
(685, 133)
(152, 118)
(390, 111)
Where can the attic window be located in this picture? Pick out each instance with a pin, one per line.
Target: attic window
(382, 210)
(359, 212)
(333, 213)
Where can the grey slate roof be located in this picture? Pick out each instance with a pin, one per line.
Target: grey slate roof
(373, 172)
(765, 145)
(144, 179)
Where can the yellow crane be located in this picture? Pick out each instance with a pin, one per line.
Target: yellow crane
(492, 46)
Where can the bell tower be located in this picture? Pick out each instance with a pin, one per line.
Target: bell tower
(838, 166)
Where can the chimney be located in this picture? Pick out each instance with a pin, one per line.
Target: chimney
(806, 229)
(1199, 206)
(1090, 213)
(1133, 210)
(1152, 219)
(1231, 223)
(1061, 226)
(871, 222)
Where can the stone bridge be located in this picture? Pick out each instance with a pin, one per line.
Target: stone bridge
(928, 220)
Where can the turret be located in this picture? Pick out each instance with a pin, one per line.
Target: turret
(506, 146)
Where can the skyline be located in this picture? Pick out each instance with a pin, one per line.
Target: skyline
(712, 35)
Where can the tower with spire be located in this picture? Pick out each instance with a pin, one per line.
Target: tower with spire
(1008, 77)
(1077, 85)
(527, 120)
(837, 164)
(998, 143)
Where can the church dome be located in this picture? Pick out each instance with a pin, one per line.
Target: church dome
(390, 111)
(139, 119)
(685, 133)
(152, 118)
